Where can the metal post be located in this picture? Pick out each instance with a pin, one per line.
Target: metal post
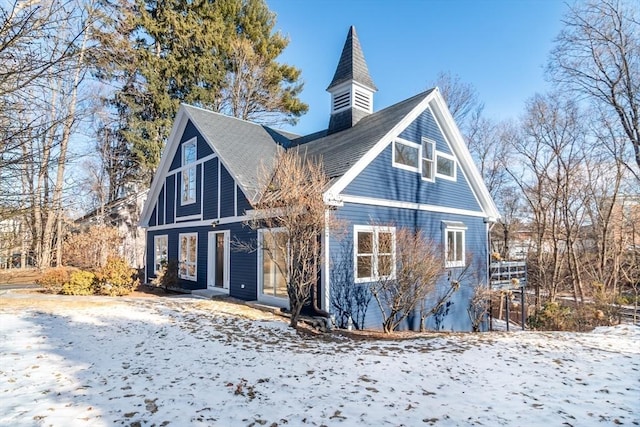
(522, 307)
(506, 300)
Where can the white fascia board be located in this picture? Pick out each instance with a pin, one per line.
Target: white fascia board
(180, 123)
(201, 223)
(410, 205)
(457, 144)
(364, 161)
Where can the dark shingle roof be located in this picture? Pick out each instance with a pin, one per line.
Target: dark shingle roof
(341, 150)
(245, 148)
(352, 65)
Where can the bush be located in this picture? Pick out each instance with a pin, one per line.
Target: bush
(116, 278)
(80, 283)
(167, 277)
(552, 316)
(91, 247)
(53, 279)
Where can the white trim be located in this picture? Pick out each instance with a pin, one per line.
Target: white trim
(375, 230)
(325, 278)
(432, 144)
(455, 166)
(187, 168)
(219, 187)
(211, 261)
(235, 198)
(364, 161)
(455, 228)
(185, 276)
(193, 217)
(408, 144)
(156, 208)
(269, 299)
(409, 205)
(202, 223)
(155, 250)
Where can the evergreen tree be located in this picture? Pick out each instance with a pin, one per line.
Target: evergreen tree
(216, 54)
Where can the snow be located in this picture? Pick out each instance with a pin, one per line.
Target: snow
(184, 361)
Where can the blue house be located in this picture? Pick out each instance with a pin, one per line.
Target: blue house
(404, 166)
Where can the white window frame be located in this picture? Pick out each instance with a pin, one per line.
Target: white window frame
(159, 259)
(440, 154)
(410, 145)
(187, 193)
(454, 227)
(432, 145)
(211, 264)
(376, 230)
(183, 264)
(277, 301)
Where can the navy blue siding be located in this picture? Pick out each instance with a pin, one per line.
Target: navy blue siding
(203, 148)
(227, 186)
(193, 208)
(152, 220)
(431, 225)
(425, 125)
(242, 277)
(160, 207)
(210, 202)
(383, 181)
(170, 186)
(243, 203)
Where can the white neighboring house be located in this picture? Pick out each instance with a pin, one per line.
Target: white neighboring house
(124, 214)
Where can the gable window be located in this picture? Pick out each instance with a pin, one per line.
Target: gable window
(454, 243)
(188, 256)
(445, 166)
(428, 156)
(406, 155)
(374, 249)
(188, 185)
(160, 245)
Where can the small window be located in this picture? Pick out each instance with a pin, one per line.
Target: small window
(374, 253)
(406, 155)
(454, 238)
(428, 156)
(188, 252)
(446, 166)
(160, 251)
(188, 185)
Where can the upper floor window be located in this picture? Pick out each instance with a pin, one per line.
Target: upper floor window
(188, 186)
(428, 156)
(454, 243)
(374, 249)
(445, 166)
(406, 155)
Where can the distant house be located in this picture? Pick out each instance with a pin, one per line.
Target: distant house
(123, 214)
(404, 166)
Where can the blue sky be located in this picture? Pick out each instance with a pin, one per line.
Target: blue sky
(498, 46)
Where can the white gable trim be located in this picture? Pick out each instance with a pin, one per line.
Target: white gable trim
(180, 123)
(365, 160)
(454, 139)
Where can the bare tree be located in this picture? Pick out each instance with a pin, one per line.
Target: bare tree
(404, 282)
(292, 201)
(597, 55)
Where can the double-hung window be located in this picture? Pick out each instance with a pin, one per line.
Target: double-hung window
(428, 157)
(374, 249)
(160, 245)
(188, 186)
(188, 252)
(454, 243)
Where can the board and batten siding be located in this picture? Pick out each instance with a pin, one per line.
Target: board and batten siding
(243, 265)
(431, 224)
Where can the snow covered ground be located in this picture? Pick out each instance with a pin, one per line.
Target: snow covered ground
(93, 361)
